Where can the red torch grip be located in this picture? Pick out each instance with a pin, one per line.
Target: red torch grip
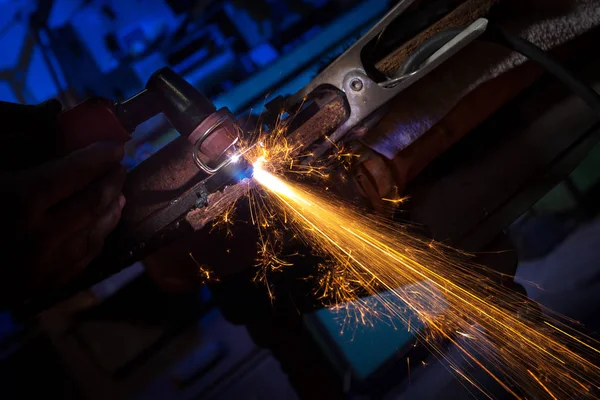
(92, 121)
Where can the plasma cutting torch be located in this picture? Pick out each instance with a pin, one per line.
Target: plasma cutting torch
(205, 159)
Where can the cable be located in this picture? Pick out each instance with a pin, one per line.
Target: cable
(534, 53)
(495, 34)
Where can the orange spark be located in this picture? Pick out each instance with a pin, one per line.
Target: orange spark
(447, 297)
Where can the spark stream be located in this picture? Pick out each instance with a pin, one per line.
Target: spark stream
(528, 354)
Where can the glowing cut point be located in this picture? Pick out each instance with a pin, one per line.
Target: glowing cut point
(274, 184)
(235, 158)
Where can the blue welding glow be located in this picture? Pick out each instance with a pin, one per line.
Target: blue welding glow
(244, 173)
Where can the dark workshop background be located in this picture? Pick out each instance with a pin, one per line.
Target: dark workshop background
(235, 52)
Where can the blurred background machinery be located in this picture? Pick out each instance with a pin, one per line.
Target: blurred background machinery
(233, 51)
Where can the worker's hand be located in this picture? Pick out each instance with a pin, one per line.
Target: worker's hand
(59, 214)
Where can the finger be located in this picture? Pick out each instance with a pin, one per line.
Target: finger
(77, 212)
(61, 178)
(86, 246)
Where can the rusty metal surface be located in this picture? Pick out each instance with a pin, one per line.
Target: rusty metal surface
(161, 179)
(466, 13)
(155, 190)
(329, 117)
(219, 202)
(157, 181)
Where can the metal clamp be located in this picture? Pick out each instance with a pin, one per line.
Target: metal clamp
(202, 165)
(348, 74)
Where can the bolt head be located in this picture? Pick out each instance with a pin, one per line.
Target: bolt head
(356, 85)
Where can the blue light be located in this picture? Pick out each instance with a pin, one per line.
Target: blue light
(245, 24)
(146, 67)
(91, 28)
(246, 61)
(11, 44)
(39, 81)
(316, 3)
(210, 70)
(6, 93)
(263, 55)
(195, 58)
(367, 347)
(244, 173)
(8, 326)
(62, 11)
(55, 65)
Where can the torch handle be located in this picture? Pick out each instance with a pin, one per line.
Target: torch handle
(91, 121)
